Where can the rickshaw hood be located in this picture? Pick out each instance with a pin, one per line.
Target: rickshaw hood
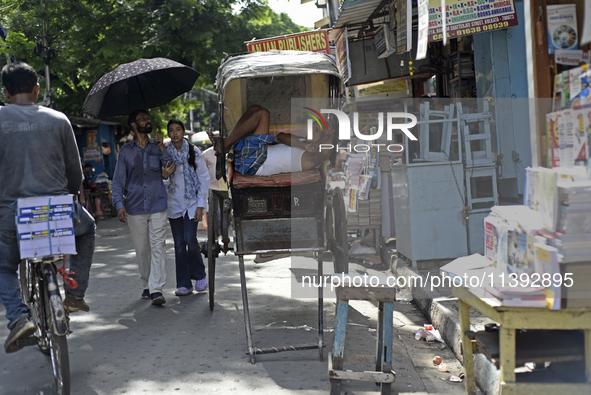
(274, 63)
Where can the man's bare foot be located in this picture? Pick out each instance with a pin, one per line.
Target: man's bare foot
(217, 142)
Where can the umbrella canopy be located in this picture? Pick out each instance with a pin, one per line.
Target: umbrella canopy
(139, 85)
(200, 137)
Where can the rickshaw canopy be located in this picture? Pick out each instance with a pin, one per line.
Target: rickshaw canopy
(274, 63)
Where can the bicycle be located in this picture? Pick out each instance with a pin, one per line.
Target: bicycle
(40, 291)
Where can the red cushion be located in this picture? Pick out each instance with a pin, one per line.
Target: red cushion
(277, 180)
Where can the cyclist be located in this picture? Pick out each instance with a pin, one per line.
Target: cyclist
(38, 157)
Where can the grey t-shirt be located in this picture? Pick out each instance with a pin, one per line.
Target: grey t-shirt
(38, 157)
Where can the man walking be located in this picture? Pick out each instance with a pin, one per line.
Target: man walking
(138, 176)
(38, 157)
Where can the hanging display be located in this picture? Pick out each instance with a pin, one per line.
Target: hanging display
(404, 25)
(423, 10)
(562, 27)
(342, 50)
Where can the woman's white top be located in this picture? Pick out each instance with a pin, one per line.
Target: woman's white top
(178, 204)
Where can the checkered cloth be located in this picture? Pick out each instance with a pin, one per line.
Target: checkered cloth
(251, 153)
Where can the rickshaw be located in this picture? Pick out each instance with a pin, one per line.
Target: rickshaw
(284, 213)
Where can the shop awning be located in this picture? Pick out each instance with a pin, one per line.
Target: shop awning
(82, 122)
(353, 12)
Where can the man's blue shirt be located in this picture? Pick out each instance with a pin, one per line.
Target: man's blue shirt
(139, 172)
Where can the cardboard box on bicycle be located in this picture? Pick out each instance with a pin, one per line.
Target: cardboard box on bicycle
(44, 208)
(45, 226)
(46, 238)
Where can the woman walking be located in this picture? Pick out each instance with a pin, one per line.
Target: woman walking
(187, 181)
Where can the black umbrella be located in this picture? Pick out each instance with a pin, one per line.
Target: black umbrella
(139, 85)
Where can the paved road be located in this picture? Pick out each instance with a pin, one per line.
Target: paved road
(126, 346)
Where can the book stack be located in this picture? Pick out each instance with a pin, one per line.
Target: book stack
(363, 212)
(572, 241)
(517, 296)
(375, 207)
(541, 191)
(462, 66)
(574, 211)
(577, 293)
(564, 200)
(572, 236)
(44, 226)
(364, 180)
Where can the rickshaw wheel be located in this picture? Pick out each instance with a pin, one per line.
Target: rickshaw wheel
(340, 246)
(212, 242)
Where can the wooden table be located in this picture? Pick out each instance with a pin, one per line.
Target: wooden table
(511, 319)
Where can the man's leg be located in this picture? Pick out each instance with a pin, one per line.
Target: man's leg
(138, 228)
(157, 230)
(255, 120)
(17, 312)
(85, 232)
(10, 292)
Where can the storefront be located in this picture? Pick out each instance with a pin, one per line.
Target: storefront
(440, 191)
(96, 144)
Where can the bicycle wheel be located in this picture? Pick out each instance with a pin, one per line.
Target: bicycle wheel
(339, 249)
(26, 278)
(31, 282)
(58, 343)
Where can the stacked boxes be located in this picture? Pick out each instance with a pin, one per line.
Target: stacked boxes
(44, 226)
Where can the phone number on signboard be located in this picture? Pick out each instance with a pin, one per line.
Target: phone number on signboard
(472, 30)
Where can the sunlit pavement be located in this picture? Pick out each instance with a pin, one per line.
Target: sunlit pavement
(124, 345)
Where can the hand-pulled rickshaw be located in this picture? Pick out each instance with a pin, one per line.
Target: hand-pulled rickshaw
(283, 213)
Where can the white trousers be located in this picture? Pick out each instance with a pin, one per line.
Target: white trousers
(148, 233)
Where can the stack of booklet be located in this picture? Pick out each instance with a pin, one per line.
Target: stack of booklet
(44, 226)
(572, 240)
(375, 207)
(517, 296)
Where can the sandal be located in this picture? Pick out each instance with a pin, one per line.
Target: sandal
(182, 291)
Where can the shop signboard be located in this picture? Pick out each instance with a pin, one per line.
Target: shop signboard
(470, 17)
(342, 50)
(92, 154)
(392, 87)
(316, 41)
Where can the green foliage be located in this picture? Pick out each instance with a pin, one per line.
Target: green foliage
(88, 38)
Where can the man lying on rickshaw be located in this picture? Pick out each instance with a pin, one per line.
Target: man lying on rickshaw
(261, 154)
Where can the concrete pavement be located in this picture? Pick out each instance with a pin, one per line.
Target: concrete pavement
(124, 345)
